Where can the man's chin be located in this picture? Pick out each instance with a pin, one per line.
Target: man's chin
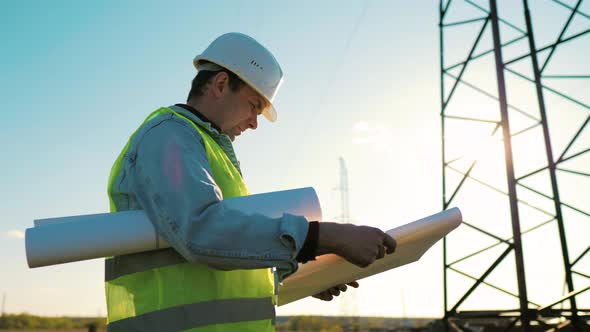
(233, 136)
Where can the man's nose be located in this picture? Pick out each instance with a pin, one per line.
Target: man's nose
(253, 123)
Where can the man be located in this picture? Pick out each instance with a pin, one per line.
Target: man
(178, 167)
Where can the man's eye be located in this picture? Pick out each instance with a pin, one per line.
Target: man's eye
(253, 108)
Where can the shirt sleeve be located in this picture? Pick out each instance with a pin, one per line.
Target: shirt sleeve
(172, 180)
(310, 246)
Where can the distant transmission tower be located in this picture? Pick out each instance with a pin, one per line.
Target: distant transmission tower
(348, 303)
(3, 303)
(523, 185)
(343, 188)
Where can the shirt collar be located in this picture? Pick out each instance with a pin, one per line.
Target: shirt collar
(199, 115)
(212, 130)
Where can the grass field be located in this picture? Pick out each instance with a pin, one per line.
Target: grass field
(51, 330)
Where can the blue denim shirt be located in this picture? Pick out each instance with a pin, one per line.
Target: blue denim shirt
(166, 173)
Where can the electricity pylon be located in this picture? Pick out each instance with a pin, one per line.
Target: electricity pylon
(510, 172)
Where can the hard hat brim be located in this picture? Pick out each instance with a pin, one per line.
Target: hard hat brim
(270, 113)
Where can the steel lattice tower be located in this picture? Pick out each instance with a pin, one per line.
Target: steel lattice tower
(520, 175)
(343, 188)
(348, 304)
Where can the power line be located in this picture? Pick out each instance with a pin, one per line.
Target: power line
(331, 79)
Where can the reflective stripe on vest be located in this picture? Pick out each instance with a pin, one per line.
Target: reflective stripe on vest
(198, 314)
(160, 291)
(119, 266)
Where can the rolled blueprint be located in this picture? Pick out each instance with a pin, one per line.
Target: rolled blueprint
(70, 239)
(413, 240)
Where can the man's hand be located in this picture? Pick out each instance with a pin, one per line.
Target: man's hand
(360, 245)
(329, 294)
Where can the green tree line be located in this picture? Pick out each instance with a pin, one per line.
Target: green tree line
(315, 323)
(26, 321)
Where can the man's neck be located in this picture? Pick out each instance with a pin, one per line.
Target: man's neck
(200, 114)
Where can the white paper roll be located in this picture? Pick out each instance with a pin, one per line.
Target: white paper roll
(69, 239)
(413, 240)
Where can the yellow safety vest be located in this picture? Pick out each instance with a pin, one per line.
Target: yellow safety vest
(160, 291)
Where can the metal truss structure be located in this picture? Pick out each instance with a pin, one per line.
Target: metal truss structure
(537, 182)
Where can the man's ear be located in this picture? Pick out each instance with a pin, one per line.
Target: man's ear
(220, 84)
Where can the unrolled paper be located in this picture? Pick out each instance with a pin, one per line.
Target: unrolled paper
(413, 240)
(70, 239)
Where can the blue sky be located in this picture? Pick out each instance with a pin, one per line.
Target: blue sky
(362, 82)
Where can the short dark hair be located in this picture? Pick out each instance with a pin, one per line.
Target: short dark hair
(203, 79)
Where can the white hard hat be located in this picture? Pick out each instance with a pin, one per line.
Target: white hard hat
(248, 59)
